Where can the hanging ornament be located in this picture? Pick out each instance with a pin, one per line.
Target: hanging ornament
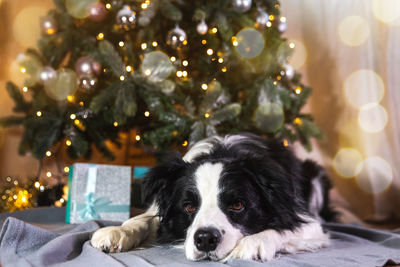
(269, 117)
(26, 69)
(47, 74)
(176, 37)
(241, 6)
(48, 25)
(64, 84)
(262, 18)
(289, 72)
(87, 66)
(202, 27)
(79, 9)
(87, 83)
(282, 26)
(97, 12)
(167, 87)
(126, 18)
(156, 66)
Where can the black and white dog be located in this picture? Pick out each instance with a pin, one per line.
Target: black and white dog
(237, 196)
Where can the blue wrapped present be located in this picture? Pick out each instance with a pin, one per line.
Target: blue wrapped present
(98, 192)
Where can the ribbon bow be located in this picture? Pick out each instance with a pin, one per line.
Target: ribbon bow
(92, 203)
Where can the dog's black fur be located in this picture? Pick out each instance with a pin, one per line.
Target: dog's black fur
(274, 186)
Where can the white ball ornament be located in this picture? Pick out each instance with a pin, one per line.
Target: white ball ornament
(176, 37)
(202, 27)
(241, 6)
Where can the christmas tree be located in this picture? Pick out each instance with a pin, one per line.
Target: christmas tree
(175, 71)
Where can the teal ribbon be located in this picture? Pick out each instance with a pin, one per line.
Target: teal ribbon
(93, 205)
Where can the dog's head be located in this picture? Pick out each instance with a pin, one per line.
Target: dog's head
(222, 190)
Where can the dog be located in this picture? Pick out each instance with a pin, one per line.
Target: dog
(237, 196)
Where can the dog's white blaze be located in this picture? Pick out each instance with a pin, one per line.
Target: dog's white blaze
(202, 147)
(207, 178)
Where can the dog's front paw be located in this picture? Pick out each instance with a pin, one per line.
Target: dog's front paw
(114, 239)
(253, 247)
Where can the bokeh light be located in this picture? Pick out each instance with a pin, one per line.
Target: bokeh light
(386, 10)
(299, 56)
(353, 30)
(26, 26)
(364, 87)
(375, 175)
(79, 8)
(250, 43)
(372, 118)
(156, 66)
(25, 70)
(346, 162)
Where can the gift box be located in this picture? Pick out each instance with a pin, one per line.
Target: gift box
(139, 173)
(98, 192)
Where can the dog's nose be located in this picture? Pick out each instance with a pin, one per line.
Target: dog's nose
(207, 239)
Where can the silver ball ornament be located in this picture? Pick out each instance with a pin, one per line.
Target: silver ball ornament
(262, 18)
(176, 37)
(202, 27)
(47, 74)
(126, 18)
(87, 83)
(87, 66)
(241, 6)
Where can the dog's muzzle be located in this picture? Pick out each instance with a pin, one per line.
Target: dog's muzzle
(207, 239)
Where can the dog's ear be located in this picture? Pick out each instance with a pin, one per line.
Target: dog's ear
(159, 181)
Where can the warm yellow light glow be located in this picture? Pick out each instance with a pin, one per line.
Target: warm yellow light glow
(25, 89)
(292, 45)
(108, 6)
(72, 116)
(121, 43)
(271, 17)
(143, 46)
(137, 137)
(386, 10)
(128, 68)
(346, 162)
(363, 87)
(269, 24)
(62, 200)
(185, 143)
(100, 36)
(66, 169)
(204, 86)
(224, 69)
(77, 122)
(299, 55)
(207, 115)
(122, 78)
(68, 142)
(48, 174)
(48, 153)
(37, 185)
(234, 41)
(22, 69)
(214, 30)
(220, 60)
(204, 42)
(278, 77)
(179, 73)
(154, 43)
(298, 121)
(147, 72)
(144, 6)
(185, 63)
(81, 103)
(173, 59)
(298, 90)
(184, 73)
(372, 118)
(210, 51)
(39, 113)
(185, 42)
(115, 123)
(70, 98)
(275, 82)
(285, 142)
(283, 19)
(146, 113)
(353, 30)
(375, 175)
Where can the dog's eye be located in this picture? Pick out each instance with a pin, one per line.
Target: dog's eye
(237, 206)
(189, 208)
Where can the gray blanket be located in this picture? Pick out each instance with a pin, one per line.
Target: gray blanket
(49, 242)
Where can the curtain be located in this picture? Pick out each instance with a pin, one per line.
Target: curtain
(351, 55)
